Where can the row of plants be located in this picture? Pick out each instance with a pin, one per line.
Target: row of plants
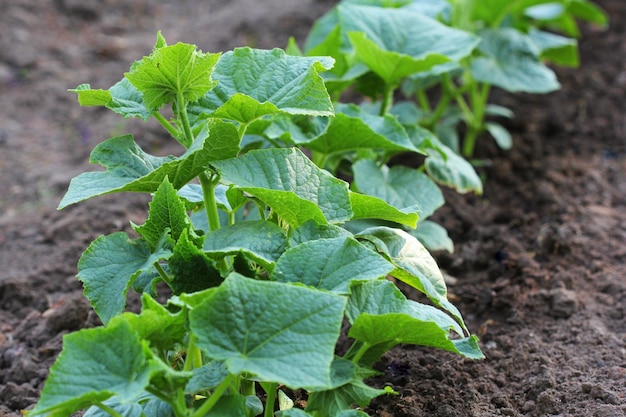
(273, 234)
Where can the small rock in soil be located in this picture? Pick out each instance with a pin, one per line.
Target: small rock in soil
(563, 303)
(18, 396)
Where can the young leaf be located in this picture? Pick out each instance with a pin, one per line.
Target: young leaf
(399, 186)
(261, 241)
(167, 211)
(108, 267)
(190, 268)
(338, 262)
(123, 364)
(280, 82)
(171, 71)
(156, 324)
(123, 98)
(263, 328)
(287, 181)
(511, 62)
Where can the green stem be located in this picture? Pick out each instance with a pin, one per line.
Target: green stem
(210, 205)
(422, 99)
(387, 100)
(212, 400)
(479, 94)
(194, 355)
(319, 159)
(182, 114)
(270, 400)
(167, 125)
(359, 354)
(162, 272)
(108, 409)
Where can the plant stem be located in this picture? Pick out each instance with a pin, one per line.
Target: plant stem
(270, 401)
(210, 205)
(182, 114)
(479, 94)
(167, 125)
(212, 400)
(162, 272)
(194, 355)
(387, 100)
(359, 354)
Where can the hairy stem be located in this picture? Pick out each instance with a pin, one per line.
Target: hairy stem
(194, 355)
(167, 125)
(181, 106)
(108, 410)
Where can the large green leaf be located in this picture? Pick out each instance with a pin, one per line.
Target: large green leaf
(400, 186)
(173, 71)
(395, 43)
(337, 262)
(279, 82)
(287, 181)
(511, 61)
(108, 267)
(121, 361)
(263, 328)
(352, 129)
(129, 168)
(414, 264)
(374, 307)
(261, 241)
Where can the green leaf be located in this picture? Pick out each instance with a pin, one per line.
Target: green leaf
(263, 328)
(338, 262)
(89, 97)
(414, 264)
(511, 62)
(125, 410)
(349, 389)
(129, 168)
(502, 136)
(400, 186)
(554, 48)
(288, 182)
(448, 168)
(279, 82)
(313, 231)
(206, 377)
(433, 236)
(123, 364)
(369, 207)
(167, 211)
(173, 70)
(156, 324)
(108, 267)
(352, 129)
(191, 269)
(383, 332)
(261, 241)
(395, 43)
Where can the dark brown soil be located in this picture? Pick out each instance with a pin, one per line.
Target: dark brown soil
(540, 264)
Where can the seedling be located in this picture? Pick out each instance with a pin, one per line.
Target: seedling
(245, 238)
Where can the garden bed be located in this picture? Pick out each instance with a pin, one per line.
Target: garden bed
(540, 262)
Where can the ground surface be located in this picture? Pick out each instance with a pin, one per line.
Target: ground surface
(540, 261)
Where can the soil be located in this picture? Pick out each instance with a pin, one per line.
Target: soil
(539, 269)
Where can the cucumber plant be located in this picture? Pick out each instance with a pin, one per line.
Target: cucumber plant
(448, 55)
(246, 240)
